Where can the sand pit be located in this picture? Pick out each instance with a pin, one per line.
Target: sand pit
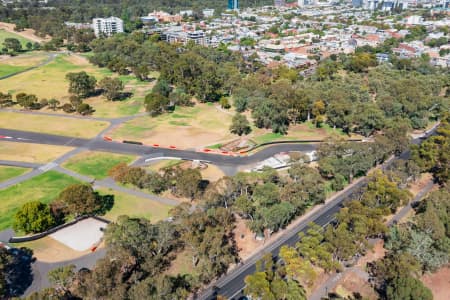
(81, 236)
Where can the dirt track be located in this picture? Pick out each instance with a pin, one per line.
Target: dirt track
(27, 33)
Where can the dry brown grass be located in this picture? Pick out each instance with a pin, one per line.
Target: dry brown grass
(33, 153)
(82, 128)
(187, 127)
(50, 250)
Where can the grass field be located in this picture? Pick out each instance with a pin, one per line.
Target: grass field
(81, 128)
(11, 172)
(49, 82)
(7, 69)
(304, 131)
(13, 64)
(5, 34)
(133, 206)
(33, 153)
(44, 188)
(186, 127)
(96, 164)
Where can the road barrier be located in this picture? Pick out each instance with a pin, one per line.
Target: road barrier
(132, 142)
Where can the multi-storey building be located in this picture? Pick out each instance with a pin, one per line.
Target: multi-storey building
(107, 26)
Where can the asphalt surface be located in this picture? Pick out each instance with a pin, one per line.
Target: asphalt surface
(148, 151)
(232, 284)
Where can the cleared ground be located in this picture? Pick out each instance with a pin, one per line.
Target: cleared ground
(44, 188)
(11, 172)
(96, 164)
(10, 65)
(81, 236)
(28, 34)
(439, 283)
(33, 153)
(82, 128)
(25, 60)
(305, 131)
(6, 34)
(186, 127)
(133, 206)
(49, 82)
(50, 250)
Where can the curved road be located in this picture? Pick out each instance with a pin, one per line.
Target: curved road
(147, 151)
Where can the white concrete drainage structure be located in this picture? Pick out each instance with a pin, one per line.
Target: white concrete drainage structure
(81, 236)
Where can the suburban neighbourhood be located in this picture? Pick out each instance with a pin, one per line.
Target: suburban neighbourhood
(225, 149)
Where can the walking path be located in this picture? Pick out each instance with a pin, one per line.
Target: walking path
(51, 57)
(331, 283)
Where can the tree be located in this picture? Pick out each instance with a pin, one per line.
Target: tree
(61, 278)
(27, 101)
(5, 99)
(240, 125)
(81, 84)
(407, 288)
(112, 87)
(155, 103)
(5, 261)
(314, 248)
(187, 182)
(80, 199)
(33, 217)
(12, 44)
(84, 109)
(53, 103)
(381, 192)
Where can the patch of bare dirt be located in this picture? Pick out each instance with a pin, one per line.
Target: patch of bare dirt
(376, 253)
(419, 184)
(27, 33)
(245, 239)
(439, 283)
(351, 284)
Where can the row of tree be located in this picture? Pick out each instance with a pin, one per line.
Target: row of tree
(334, 246)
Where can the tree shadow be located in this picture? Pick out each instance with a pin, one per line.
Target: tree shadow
(107, 203)
(123, 96)
(19, 272)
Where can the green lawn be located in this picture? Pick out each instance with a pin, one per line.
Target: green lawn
(96, 164)
(11, 172)
(133, 206)
(7, 69)
(44, 188)
(5, 34)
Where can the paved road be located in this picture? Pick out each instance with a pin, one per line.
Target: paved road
(332, 282)
(146, 151)
(41, 269)
(232, 284)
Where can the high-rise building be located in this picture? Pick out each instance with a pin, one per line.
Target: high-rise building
(233, 4)
(107, 26)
